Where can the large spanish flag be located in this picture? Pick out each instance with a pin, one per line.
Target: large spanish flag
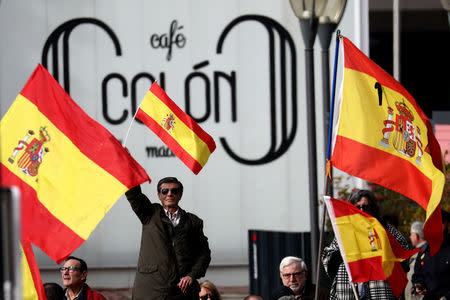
(176, 129)
(368, 250)
(69, 168)
(381, 135)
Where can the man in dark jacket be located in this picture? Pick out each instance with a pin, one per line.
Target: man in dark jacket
(431, 276)
(174, 250)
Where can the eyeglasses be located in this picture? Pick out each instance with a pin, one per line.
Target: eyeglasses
(70, 269)
(174, 191)
(288, 275)
(206, 297)
(363, 207)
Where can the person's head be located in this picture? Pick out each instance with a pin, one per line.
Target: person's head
(170, 191)
(366, 201)
(54, 291)
(208, 291)
(416, 233)
(74, 272)
(293, 273)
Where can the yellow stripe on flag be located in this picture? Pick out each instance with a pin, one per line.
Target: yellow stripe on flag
(28, 289)
(91, 194)
(187, 139)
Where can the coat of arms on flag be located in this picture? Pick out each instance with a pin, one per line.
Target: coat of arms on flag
(405, 135)
(31, 152)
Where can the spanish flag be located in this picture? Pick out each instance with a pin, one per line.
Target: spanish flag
(381, 135)
(368, 250)
(32, 287)
(70, 169)
(176, 129)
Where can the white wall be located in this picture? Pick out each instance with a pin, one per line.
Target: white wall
(229, 196)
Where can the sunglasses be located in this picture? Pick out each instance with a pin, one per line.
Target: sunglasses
(70, 269)
(363, 207)
(174, 191)
(206, 297)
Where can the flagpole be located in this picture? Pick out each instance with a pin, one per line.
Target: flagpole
(328, 165)
(129, 127)
(131, 123)
(354, 290)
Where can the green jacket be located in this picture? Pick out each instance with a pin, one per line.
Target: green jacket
(167, 253)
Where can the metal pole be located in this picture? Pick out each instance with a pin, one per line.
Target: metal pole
(325, 31)
(328, 155)
(312, 160)
(309, 32)
(325, 94)
(396, 39)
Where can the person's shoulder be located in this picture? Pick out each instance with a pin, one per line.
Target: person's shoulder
(93, 295)
(192, 216)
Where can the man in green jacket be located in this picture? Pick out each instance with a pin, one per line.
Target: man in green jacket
(174, 251)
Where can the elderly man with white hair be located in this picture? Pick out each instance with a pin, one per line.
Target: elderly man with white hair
(418, 241)
(293, 274)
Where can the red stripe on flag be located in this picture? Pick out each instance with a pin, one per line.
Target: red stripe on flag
(91, 138)
(176, 148)
(364, 164)
(367, 269)
(34, 269)
(59, 241)
(161, 94)
(433, 230)
(397, 281)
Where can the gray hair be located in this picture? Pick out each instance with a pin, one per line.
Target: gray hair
(417, 227)
(289, 260)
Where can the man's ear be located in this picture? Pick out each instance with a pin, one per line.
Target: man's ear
(84, 276)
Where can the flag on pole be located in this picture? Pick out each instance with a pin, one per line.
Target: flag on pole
(368, 250)
(176, 129)
(381, 135)
(32, 287)
(69, 168)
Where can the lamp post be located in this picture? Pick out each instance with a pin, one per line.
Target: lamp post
(446, 6)
(310, 13)
(307, 12)
(328, 23)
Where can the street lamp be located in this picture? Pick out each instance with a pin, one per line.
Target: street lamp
(310, 13)
(446, 6)
(328, 23)
(307, 12)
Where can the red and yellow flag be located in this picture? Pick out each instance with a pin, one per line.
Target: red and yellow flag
(70, 169)
(32, 287)
(176, 129)
(368, 250)
(381, 135)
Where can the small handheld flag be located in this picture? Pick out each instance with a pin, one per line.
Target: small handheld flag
(368, 250)
(176, 129)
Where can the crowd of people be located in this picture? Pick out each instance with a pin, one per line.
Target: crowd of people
(175, 254)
